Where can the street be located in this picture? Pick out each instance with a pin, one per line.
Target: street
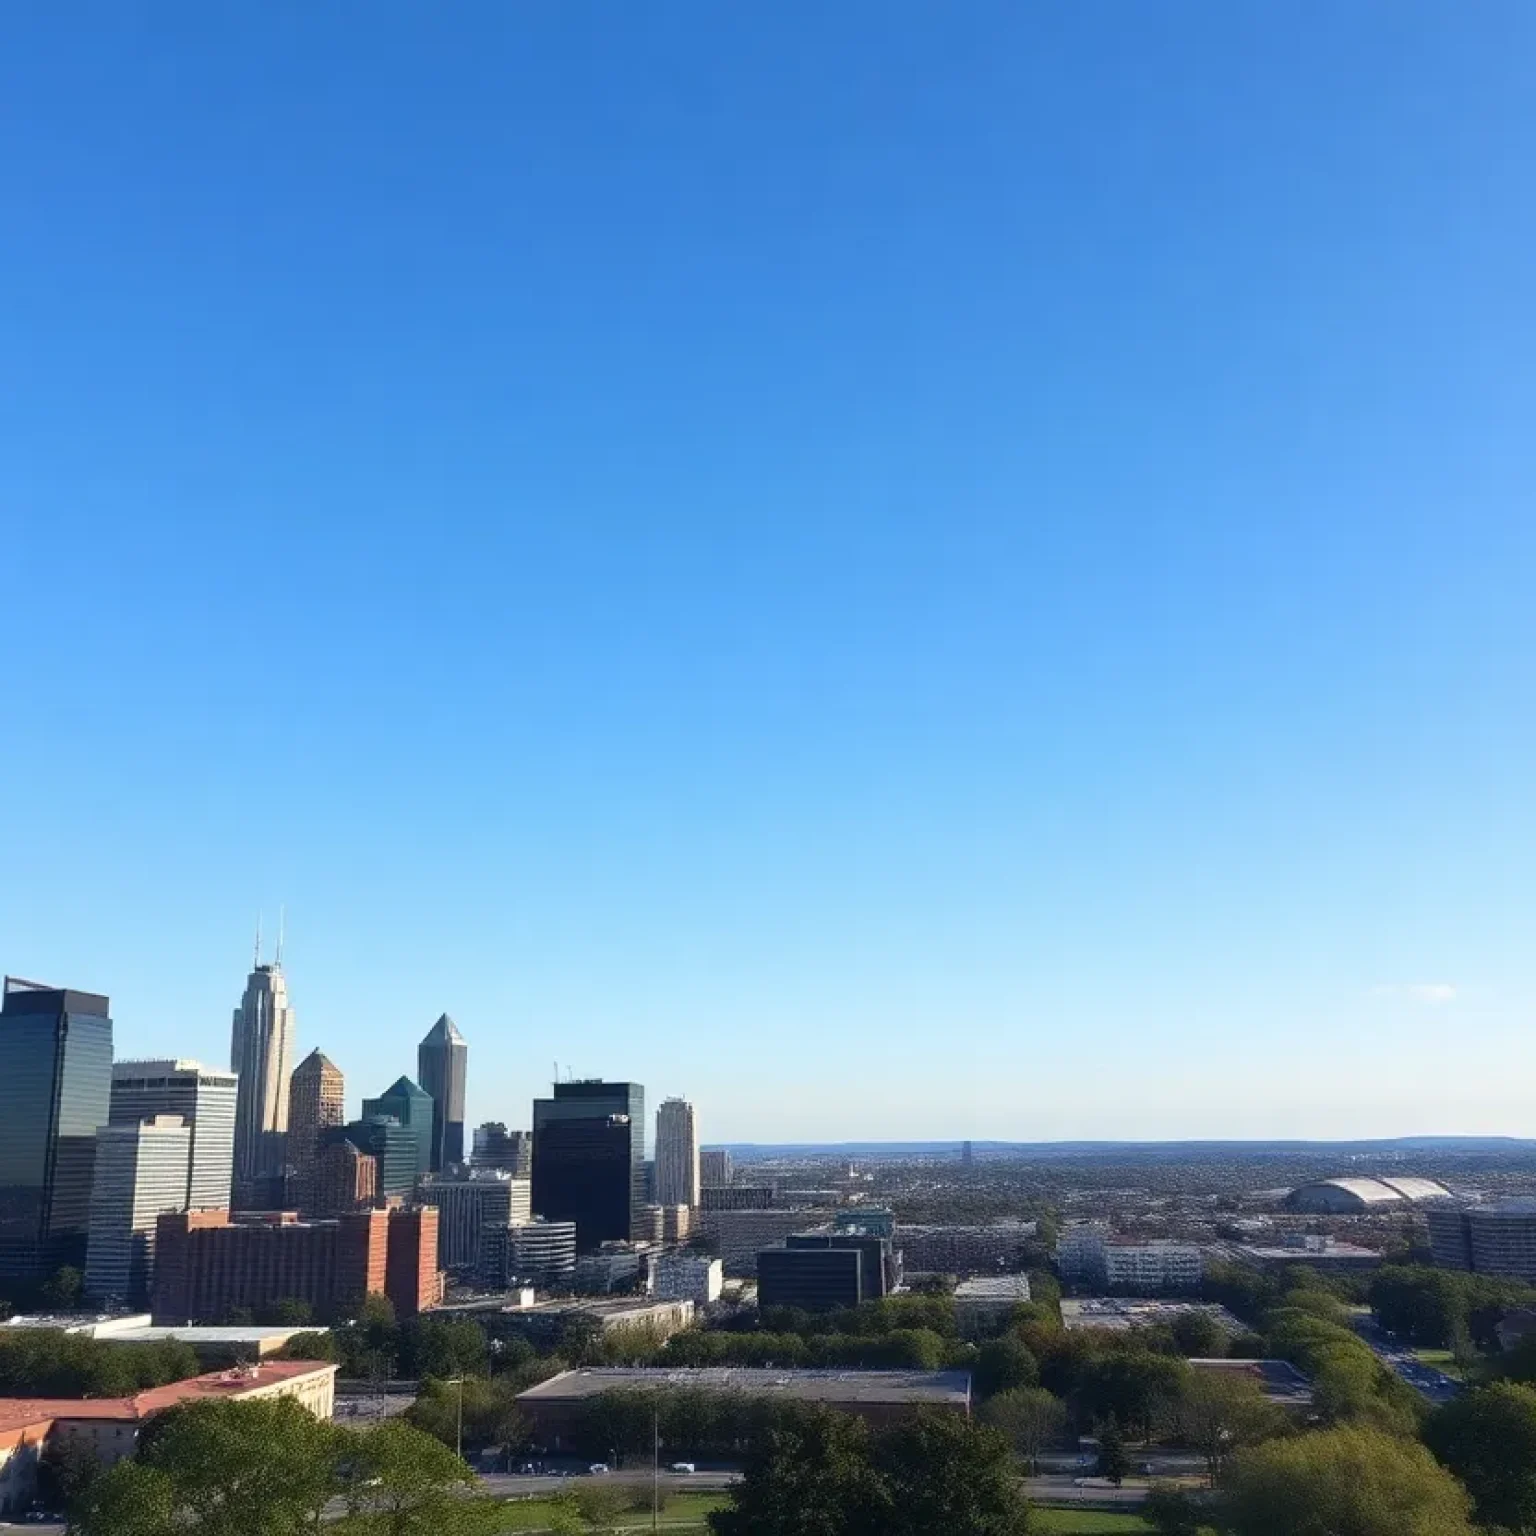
(1425, 1379)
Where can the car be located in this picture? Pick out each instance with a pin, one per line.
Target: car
(682, 1466)
(598, 1468)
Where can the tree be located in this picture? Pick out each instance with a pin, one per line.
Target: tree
(62, 1290)
(442, 1347)
(369, 1340)
(1345, 1482)
(940, 1473)
(810, 1476)
(1004, 1365)
(130, 1499)
(289, 1312)
(1219, 1412)
(1114, 1459)
(406, 1483)
(1198, 1335)
(242, 1468)
(1029, 1419)
(1488, 1439)
(311, 1346)
(600, 1504)
(1171, 1511)
(1134, 1388)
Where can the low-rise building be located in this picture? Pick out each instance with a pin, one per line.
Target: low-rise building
(739, 1236)
(1080, 1252)
(109, 1427)
(613, 1267)
(984, 1303)
(544, 1323)
(880, 1397)
(687, 1277)
(1117, 1314)
(1158, 1265)
(1322, 1253)
(736, 1197)
(810, 1279)
(990, 1248)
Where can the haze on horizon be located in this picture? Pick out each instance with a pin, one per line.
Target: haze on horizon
(902, 573)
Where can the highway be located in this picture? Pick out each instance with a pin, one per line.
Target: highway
(1424, 1379)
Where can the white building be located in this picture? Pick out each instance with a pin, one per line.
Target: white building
(261, 1056)
(982, 1305)
(471, 1204)
(687, 1277)
(677, 1154)
(204, 1097)
(140, 1173)
(541, 1253)
(1160, 1265)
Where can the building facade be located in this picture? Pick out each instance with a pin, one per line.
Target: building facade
(205, 1098)
(737, 1197)
(1160, 1265)
(56, 1064)
(393, 1147)
(344, 1178)
(411, 1106)
(810, 1279)
(686, 1277)
(316, 1102)
(497, 1147)
(469, 1204)
(538, 1253)
(261, 1057)
(677, 1154)
(738, 1236)
(715, 1167)
(972, 1249)
(140, 1174)
(206, 1262)
(442, 1064)
(589, 1158)
(1497, 1237)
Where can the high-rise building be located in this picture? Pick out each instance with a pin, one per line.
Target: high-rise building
(677, 1154)
(395, 1149)
(56, 1064)
(412, 1107)
(497, 1147)
(207, 1263)
(442, 1061)
(261, 1056)
(467, 1205)
(141, 1173)
(1496, 1237)
(715, 1167)
(205, 1098)
(316, 1103)
(589, 1158)
(345, 1177)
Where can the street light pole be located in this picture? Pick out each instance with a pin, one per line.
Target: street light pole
(458, 1434)
(655, 1468)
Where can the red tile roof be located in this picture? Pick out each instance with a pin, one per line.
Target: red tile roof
(19, 1413)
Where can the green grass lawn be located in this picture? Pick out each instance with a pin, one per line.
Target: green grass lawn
(1442, 1360)
(1086, 1522)
(682, 1512)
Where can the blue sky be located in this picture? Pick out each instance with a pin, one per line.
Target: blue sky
(900, 570)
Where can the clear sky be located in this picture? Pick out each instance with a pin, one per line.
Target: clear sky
(898, 570)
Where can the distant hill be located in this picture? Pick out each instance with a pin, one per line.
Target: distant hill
(1049, 1149)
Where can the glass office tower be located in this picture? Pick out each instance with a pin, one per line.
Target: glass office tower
(56, 1065)
(412, 1108)
(442, 1062)
(589, 1159)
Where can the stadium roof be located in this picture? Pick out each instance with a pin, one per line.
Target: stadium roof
(1381, 1192)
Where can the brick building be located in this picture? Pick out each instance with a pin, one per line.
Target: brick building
(208, 1263)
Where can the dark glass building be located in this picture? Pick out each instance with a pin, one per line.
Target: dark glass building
(442, 1062)
(56, 1065)
(812, 1279)
(411, 1107)
(395, 1148)
(589, 1159)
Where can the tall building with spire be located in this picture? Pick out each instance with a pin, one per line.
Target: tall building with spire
(261, 1056)
(442, 1060)
(677, 1154)
(316, 1102)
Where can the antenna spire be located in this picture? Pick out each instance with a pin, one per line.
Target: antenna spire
(282, 913)
(256, 963)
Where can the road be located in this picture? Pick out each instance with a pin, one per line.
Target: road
(1425, 1379)
(1054, 1487)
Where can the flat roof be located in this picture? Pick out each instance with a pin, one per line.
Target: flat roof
(1329, 1250)
(994, 1288)
(914, 1387)
(1119, 1313)
(213, 1334)
(21, 1412)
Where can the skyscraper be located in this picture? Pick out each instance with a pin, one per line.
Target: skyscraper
(589, 1158)
(442, 1060)
(205, 1098)
(316, 1097)
(261, 1055)
(412, 1107)
(677, 1154)
(497, 1147)
(141, 1174)
(56, 1065)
